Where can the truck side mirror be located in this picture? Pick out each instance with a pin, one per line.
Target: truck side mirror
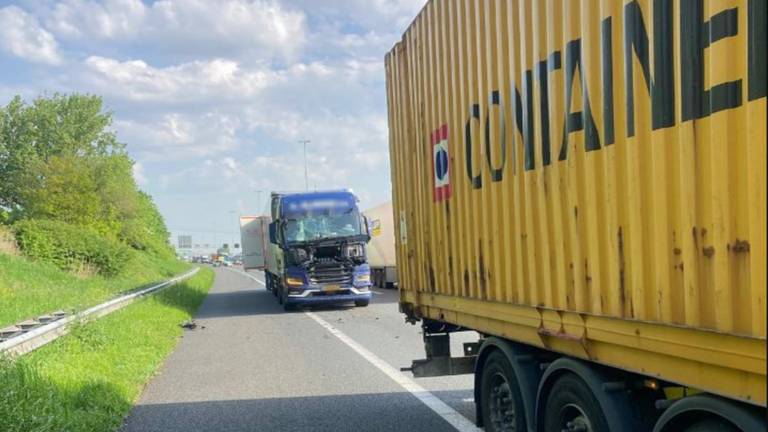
(273, 232)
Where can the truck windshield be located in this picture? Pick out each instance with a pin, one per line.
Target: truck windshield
(323, 226)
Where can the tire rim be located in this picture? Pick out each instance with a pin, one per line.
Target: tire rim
(501, 405)
(574, 419)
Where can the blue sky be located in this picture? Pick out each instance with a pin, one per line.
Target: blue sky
(212, 96)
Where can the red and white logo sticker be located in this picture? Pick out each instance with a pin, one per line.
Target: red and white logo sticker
(440, 164)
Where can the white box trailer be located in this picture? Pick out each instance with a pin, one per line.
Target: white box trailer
(254, 237)
(381, 248)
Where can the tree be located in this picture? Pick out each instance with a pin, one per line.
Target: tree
(16, 149)
(60, 161)
(147, 229)
(90, 191)
(74, 125)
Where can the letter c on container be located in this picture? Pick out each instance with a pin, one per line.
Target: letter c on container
(477, 180)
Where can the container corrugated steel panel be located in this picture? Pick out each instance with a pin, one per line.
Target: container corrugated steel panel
(590, 177)
(254, 237)
(381, 249)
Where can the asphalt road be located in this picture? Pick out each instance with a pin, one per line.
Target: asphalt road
(250, 366)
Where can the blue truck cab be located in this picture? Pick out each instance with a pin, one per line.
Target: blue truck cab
(317, 250)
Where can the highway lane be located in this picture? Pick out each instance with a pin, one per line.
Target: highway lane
(249, 366)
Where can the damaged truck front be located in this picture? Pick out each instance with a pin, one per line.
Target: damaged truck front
(316, 252)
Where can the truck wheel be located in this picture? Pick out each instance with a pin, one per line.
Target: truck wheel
(361, 303)
(279, 294)
(500, 398)
(572, 407)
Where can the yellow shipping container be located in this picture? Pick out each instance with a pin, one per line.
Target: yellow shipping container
(589, 177)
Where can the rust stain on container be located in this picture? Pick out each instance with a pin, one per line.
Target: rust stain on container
(740, 246)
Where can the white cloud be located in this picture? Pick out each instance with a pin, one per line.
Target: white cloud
(180, 136)
(302, 86)
(103, 19)
(138, 174)
(210, 79)
(22, 36)
(182, 26)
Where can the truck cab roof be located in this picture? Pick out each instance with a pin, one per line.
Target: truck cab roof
(301, 204)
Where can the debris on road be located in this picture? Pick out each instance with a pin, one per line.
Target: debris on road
(189, 325)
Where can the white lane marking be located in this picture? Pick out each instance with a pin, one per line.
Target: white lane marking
(458, 421)
(377, 292)
(247, 274)
(468, 400)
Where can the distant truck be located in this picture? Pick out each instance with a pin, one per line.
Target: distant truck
(316, 252)
(254, 238)
(381, 248)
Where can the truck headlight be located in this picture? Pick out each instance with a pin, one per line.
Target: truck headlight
(364, 278)
(294, 281)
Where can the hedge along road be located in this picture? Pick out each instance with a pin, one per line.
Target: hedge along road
(250, 366)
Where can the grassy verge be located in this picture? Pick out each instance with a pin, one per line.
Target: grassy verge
(32, 288)
(88, 380)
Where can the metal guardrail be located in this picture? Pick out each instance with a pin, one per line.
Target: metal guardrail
(34, 338)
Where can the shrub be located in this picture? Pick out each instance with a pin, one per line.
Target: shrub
(7, 241)
(70, 247)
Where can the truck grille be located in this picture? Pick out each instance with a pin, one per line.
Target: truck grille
(325, 273)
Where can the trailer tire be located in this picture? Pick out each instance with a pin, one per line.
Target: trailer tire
(500, 394)
(686, 415)
(712, 425)
(571, 405)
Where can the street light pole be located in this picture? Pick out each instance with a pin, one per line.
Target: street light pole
(306, 176)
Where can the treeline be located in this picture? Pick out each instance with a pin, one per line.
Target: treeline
(66, 185)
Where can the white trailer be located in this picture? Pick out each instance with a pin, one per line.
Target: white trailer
(254, 238)
(381, 248)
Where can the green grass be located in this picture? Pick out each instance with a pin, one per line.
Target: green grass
(88, 380)
(31, 288)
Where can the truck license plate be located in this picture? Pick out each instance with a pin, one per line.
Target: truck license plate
(331, 287)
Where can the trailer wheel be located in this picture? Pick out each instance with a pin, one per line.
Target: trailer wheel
(501, 401)
(712, 425)
(571, 406)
